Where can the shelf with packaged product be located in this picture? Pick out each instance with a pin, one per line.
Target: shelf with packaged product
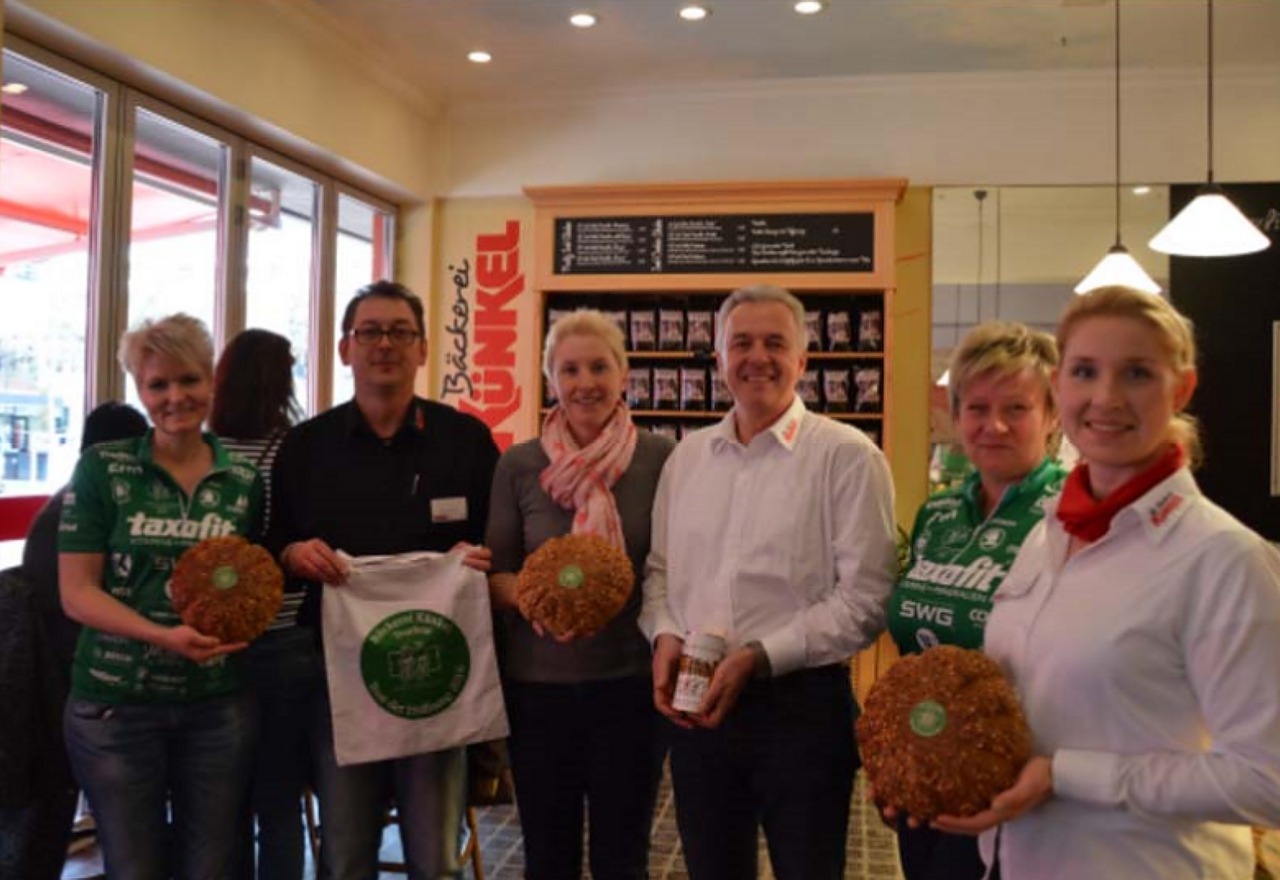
(658, 259)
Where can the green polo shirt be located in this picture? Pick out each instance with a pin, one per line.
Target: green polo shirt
(124, 506)
(959, 558)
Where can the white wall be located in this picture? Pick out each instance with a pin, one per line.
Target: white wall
(1045, 128)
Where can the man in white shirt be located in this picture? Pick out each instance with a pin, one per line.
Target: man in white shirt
(774, 528)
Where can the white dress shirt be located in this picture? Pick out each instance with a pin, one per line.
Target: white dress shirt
(1146, 664)
(788, 540)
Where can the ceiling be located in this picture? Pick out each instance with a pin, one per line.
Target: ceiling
(641, 44)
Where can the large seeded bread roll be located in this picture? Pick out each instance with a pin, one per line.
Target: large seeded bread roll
(942, 733)
(574, 583)
(227, 587)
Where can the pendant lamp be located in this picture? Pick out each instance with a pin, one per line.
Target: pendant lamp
(1118, 266)
(1210, 226)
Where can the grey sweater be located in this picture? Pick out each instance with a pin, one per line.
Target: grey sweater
(522, 517)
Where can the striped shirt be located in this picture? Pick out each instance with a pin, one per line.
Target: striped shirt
(261, 453)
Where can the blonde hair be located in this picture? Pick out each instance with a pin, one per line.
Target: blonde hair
(1004, 348)
(583, 322)
(1174, 330)
(179, 336)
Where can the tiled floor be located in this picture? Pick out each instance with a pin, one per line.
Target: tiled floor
(872, 850)
(873, 853)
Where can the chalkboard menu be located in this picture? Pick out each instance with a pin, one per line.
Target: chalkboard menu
(687, 244)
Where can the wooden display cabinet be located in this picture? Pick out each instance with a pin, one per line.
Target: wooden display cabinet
(637, 248)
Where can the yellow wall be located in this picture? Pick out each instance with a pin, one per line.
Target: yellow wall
(912, 314)
(267, 63)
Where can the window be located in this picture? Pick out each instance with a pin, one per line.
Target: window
(364, 254)
(115, 207)
(173, 236)
(48, 140)
(283, 211)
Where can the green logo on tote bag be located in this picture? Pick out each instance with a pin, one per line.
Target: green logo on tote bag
(415, 663)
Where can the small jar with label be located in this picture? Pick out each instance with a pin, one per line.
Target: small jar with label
(702, 653)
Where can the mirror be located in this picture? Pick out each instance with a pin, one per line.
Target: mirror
(1014, 253)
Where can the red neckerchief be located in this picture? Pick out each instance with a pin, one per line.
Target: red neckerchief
(1088, 519)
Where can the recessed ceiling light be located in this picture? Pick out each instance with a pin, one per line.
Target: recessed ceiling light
(13, 88)
(694, 13)
(582, 20)
(479, 57)
(1141, 190)
(809, 7)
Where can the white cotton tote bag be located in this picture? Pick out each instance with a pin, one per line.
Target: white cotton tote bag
(408, 647)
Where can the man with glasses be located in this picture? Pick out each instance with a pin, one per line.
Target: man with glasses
(387, 472)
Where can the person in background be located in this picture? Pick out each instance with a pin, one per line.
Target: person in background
(253, 407)
(774, 527)
(582, 720)
(34, 836)
(1141, 627)
(159, 725)
(387, 472)
(965, 539)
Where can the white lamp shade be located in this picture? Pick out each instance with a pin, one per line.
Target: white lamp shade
(1210, 226)
(944, 380)
(1118, 267)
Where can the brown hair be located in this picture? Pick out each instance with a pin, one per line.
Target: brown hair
(253, 394)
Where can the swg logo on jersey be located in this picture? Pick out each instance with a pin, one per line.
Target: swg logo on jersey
(913, 610)
(209, 526)
(982, 574)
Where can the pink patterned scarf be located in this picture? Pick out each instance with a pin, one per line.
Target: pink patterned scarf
(581, 479)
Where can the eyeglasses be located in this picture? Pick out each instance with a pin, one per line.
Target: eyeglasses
(373, 335)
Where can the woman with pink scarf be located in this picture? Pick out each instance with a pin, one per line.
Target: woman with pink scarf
(583, 727)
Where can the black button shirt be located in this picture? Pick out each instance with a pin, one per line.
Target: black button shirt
(425, 488)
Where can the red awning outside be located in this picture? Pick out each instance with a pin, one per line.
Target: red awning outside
(45, 206)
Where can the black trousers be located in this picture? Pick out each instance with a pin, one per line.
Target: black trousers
(785, 758)
(592, 744)
(929, 854)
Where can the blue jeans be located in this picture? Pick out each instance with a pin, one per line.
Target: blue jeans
(138, 762)
(429, 792)
(285, 671)
(784, 758)
(595, 741)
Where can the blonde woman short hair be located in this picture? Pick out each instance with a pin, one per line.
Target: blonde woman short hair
(583, 322)
(179, 336)
(1003, 348)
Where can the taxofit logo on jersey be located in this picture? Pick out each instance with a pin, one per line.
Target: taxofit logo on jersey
(209, 526)
(982, 574)
(415, 663)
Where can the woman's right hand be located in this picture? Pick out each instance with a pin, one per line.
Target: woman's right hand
(195, 645)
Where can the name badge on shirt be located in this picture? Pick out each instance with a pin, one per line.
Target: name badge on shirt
(445, 510)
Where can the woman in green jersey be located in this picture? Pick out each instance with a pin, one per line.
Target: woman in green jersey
(159, 727)
(965, 539)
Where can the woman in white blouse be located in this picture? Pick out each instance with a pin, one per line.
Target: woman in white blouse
(1141, 626)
